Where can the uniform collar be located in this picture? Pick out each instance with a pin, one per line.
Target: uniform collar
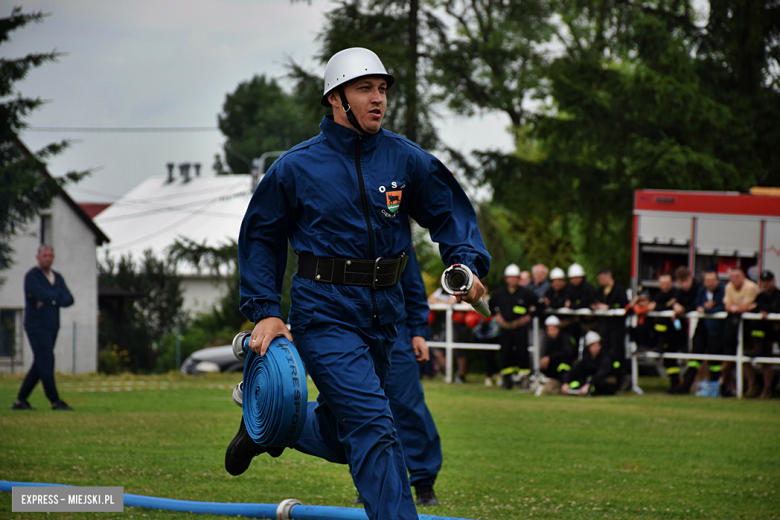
(343, 139)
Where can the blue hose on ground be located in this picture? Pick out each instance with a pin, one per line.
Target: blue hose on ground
(288, 509)
(274, 394)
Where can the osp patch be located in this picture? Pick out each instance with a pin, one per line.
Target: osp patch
(394, 200)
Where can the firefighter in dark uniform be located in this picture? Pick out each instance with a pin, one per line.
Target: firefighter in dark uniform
(560, 350)
(558, 293)
(687, 291)
(581, 296)
(763, 333)
(343, 201)
(514, 306)
(612, 329)
(596, 373)
(667, 330)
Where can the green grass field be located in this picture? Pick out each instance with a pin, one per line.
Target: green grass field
(507, 455)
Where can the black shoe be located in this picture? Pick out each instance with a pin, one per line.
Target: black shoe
(725, 391)
(242, 449)
(21, 404)
(61, 405)
(426, 496)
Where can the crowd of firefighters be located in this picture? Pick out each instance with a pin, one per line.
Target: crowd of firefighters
(586, 354)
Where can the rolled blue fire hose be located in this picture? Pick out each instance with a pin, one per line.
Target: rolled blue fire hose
(288, 509)
(274, 393)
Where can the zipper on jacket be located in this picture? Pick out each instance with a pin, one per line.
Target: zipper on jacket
(364, 200)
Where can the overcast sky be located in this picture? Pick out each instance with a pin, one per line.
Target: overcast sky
(167, 63)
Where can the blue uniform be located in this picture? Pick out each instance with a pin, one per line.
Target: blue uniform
(349, 196)
(42, 325)
(416, 429)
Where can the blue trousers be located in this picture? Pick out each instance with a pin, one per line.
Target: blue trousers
(416, 429)
(42, 369)
(351, 422)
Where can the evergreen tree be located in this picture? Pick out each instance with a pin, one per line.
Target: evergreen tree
(25, 186)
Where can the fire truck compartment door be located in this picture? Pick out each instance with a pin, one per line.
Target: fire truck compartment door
(771, 258)
(728, 236)
(664, 229)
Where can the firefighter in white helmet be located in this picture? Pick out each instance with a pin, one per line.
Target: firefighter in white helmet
(343, 200)
(514, 306)
(596, 373)
(581, 296)
(558, 293)
(559, 350)
(582, 293)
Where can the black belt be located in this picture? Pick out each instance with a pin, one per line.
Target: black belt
(346, 271)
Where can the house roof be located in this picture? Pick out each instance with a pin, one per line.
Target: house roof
(100, 237)
(157, 212)
(93, 209)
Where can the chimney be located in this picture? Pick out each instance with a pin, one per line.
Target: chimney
(197, 169)
(185, 171)
(170, 166)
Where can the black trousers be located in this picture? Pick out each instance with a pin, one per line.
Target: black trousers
(514, 348)
(704, 343)
(613, 342)
(42, 369)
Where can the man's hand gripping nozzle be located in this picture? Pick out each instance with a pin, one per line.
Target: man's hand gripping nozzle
(458, 280)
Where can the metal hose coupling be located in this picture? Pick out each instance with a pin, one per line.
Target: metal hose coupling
(239, 350)
(457, 280)
(285, 508)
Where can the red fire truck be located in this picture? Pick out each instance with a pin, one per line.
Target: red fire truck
(700, 229)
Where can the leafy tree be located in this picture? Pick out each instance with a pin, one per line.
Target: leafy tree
(154, 311)
(260, 117)
(639, 97)
(494, 60)
(25, 187)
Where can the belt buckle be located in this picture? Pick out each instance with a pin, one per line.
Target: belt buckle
(376, 269)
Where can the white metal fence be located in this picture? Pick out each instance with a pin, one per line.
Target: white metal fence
(631, 350)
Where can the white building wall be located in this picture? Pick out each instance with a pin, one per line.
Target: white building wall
(25, 246)
(75, 259)
(201, 294)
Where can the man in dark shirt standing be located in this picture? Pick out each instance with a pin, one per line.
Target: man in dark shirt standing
(581, 292)
(687, 291)
(581, 296)
(513, 306)
(558, 292)
(764, 333)
(611, 296)
(45, 292)
(667, 334)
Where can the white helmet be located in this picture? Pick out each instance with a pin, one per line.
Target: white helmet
(552, 320)
(557, 274)
(576, 270)
(591, 337)
(511, 270)
(349, 64)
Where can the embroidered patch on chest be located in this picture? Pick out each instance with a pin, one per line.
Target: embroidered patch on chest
(394, 200)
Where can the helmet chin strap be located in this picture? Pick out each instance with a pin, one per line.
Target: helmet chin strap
(347, 110)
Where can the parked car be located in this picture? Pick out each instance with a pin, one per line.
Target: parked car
(213, 359)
